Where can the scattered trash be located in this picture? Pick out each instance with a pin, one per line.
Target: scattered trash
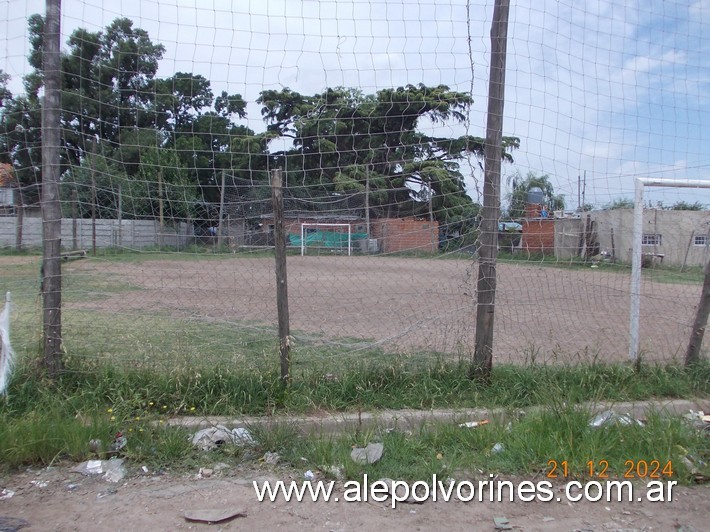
(699, 419)
(119, 443)
(204, 473)
(214, 437)
(368, 455)
(609, 416)
(473, 424)
(72, 487)
(114, 470)
(91, 467)
(12, 524)
(214, 516)
(308, 475)
(39, 483)
(271, 458)
(242, 436)
(502, 523)
(497, 448)
(690, 461)
(144, 469)
(6, 494)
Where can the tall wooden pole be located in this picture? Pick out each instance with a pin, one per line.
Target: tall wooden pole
(51, 208)
(160, 209)
(281, 276)
(20, 214)
(367, 206)
(692, 355)
(221, 213)
(488, 252)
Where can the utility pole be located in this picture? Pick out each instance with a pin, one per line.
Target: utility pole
(482, 363)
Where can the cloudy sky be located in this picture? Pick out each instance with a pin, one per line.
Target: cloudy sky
(616, 90)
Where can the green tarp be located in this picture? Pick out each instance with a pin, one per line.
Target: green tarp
(328, 239)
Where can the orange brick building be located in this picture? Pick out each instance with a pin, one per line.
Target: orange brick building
(538, 231)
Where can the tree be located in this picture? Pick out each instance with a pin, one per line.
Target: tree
(343, 139)
(113, 102)
(687, 206)
(620, 203)
(20, 139)
(518, 198)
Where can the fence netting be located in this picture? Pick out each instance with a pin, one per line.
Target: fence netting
(174, 114)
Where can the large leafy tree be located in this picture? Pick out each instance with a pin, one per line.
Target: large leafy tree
(343, 139)
(148, 129)
(20, 139)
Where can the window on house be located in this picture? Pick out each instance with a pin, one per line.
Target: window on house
(651, 239)
(700, 240)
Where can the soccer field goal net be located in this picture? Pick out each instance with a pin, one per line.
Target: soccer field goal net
(329, 237)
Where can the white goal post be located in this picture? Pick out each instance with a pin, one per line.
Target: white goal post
(635, 308)
(304, 225)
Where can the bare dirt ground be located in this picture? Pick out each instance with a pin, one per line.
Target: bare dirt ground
(413, 304)
(69, 501)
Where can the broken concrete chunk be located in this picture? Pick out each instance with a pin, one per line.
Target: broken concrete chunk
(367, 455)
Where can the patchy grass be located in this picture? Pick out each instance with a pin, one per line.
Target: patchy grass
(44, 422)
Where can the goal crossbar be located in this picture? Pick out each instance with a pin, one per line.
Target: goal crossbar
(635, 307)
(315, 224)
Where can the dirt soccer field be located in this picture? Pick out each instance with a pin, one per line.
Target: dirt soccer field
(409, 304)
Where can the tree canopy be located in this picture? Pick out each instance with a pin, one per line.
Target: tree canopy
(124, 127)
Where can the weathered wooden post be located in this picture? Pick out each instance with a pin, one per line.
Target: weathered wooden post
(488, 253)
(281, 275)
(51, 208)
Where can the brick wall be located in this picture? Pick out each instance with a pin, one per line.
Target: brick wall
(539, 235)
(406, 234)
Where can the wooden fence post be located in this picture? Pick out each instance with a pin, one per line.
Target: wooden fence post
(692, 355)
(51, 209)
(281, 276)
(482, 363)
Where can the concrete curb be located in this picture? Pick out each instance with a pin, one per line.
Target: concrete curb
(344, 422)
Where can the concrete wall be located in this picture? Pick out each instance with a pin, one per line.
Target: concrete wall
(674, 227)
(133, 234)
(568, 233)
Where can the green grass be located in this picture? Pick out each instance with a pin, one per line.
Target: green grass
(658, 273)
(43, 423)
(529, 444)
